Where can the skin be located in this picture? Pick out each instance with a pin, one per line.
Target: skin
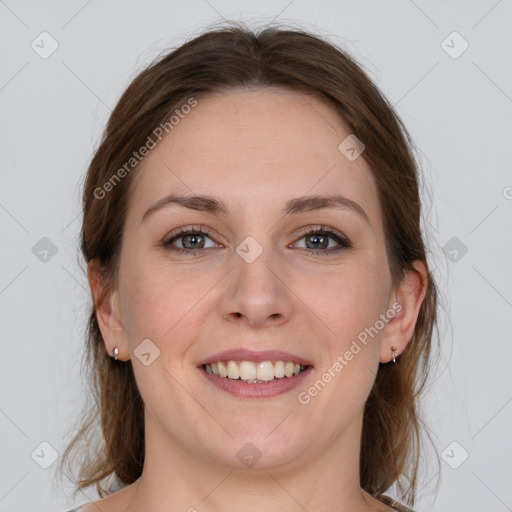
(255, 150)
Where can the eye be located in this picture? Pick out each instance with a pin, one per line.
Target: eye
(189, 241)
(323, 240)
(315, 241)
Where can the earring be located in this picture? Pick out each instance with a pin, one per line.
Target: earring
(394, 354)
(116, 353)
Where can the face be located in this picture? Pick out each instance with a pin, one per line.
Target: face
(267, 271)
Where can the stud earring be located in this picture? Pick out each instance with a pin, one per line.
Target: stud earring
(116, 353)
(394, 354)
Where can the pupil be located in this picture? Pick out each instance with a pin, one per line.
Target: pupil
(319, 240)
(193, 239)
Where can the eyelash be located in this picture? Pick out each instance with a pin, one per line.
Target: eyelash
(344, 243)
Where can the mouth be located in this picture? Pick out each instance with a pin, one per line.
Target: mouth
(249, 374)
(254, 373)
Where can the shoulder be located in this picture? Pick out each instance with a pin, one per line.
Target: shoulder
(91, 506)
(118, 501)
(86, 507)
(394, 504)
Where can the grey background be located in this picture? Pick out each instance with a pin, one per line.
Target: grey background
(458, 111)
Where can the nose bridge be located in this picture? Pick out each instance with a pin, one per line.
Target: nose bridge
(255, 292)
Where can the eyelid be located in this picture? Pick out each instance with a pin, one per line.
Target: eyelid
(318, 227)
(342, 240)
(186, 230)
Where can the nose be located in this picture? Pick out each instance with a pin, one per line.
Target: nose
(257, 293)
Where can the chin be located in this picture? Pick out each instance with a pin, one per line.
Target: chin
(262, 447)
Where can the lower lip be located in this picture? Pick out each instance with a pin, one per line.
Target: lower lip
(262, 390)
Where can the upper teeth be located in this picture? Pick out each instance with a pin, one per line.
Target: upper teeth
(254, 372)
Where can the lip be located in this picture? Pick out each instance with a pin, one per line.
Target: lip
(242, 354)
(270, 389)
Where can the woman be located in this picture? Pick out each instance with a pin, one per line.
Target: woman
(263, 307)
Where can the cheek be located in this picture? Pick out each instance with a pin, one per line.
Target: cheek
(346, 302)
(159, 302)
(349, 304)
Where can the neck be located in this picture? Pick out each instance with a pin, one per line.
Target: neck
(174, 474)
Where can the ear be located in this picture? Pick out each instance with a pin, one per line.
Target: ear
(107, 312)
(406, 303)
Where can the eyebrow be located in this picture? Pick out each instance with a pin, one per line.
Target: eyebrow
(298, 205)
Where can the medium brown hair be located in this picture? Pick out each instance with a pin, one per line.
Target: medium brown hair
(230, 58)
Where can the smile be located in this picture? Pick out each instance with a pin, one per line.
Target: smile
(254, 373)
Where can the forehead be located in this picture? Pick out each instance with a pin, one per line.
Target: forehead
(255, 149)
